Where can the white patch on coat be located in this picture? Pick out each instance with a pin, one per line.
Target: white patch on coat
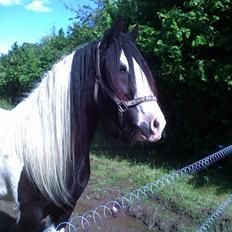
(53, 229)
(10, 164)
(124, 60)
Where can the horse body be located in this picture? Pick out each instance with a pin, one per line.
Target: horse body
(44, 141)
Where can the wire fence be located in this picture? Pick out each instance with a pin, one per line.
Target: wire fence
(213, 218)
(115, 207)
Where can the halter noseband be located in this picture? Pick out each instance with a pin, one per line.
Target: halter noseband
(122, 105)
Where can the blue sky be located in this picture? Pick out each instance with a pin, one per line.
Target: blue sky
(30, 20)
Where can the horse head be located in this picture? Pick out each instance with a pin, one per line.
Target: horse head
(125, 89)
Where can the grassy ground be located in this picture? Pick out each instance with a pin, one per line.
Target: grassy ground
(176, 207)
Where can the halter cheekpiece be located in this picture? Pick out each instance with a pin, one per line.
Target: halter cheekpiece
(122, 105)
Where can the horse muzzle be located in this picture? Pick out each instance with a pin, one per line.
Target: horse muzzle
(150, 129)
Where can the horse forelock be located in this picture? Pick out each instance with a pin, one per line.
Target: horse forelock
(124, 44)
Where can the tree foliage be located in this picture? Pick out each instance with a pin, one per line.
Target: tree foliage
(188, 45)
(24, 65)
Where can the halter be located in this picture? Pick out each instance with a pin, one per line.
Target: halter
(122, 105)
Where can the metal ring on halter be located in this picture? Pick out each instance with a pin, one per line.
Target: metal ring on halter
(122, 106)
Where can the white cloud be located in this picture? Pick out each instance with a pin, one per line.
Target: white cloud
(4, 50)
(38, 6)
(10, 2)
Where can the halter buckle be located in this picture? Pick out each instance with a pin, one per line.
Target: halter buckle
(122, 106)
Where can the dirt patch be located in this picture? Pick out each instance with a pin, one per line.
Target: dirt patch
(8, 213)
(141, 217)
(118, 223)
(9, 208)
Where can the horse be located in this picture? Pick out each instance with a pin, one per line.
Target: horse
(45, 139)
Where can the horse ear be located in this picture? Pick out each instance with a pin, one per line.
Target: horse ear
(112, 33)
(134, 33)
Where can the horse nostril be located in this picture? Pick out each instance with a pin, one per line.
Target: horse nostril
(144, 127)
(155, 124)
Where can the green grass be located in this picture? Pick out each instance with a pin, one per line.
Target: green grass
(192, 198)
(116, 170)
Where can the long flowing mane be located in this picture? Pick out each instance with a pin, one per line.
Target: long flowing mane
(43, 131)
(46, 129)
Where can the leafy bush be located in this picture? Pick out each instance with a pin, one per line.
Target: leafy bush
(25, 64)
(4, 104)
(193, 46)
(188, 46)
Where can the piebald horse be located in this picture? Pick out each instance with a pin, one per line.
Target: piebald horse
(45, 139)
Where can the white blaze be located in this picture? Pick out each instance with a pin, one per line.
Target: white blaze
(124, 60)
(148, 112)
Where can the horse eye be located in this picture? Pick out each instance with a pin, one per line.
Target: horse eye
(123, 68)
